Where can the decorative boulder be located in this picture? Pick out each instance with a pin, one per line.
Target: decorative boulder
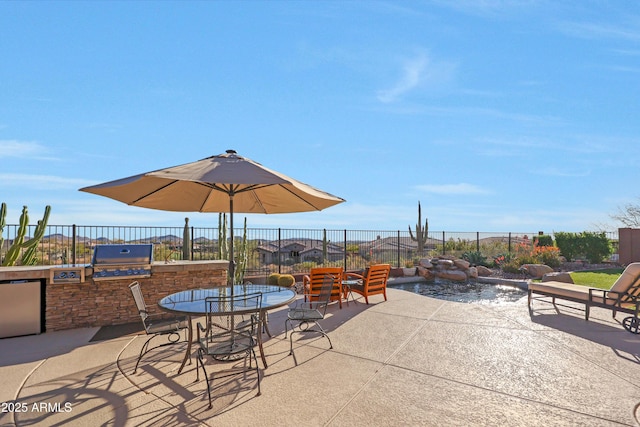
(536, 271)
(425, 272)
(461, 264)
(473, 272)
(445, 263)
(563, 277)
(425, 263)
(483, 271)
(455, 275)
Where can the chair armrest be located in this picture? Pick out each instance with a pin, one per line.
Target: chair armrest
(353, 275)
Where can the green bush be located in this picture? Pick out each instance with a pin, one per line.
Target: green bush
(543, 240)
(273, 279)
(595, 246)
(475, 258)
(286, 280)
(590, 245)
(569, 245)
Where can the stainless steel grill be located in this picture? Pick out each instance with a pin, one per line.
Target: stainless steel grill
(122, 261)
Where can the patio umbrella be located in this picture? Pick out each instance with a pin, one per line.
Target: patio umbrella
(224, 183)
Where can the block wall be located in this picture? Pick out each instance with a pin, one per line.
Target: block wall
(110, 302)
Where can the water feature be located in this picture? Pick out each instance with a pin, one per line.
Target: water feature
(468, 292)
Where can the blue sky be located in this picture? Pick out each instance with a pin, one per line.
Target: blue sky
(497, 115)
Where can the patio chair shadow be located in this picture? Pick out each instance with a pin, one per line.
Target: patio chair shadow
(72, 397)
(624, 344)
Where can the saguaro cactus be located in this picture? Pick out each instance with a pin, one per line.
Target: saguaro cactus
(421, 232)
(186, 241)
(241, 256)
(3, 222)
(223, 249)
(31, 245)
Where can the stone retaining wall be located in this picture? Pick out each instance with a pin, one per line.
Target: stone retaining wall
(109, 302)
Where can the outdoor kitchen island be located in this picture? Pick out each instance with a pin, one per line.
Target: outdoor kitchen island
(75, 302)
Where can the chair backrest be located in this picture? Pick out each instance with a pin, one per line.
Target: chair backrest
(326, 293)
(226, 314)
(376, 278)
(317, 276)
(139, 299)
(629, 281)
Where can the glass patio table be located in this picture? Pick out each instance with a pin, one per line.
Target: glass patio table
(192, 303)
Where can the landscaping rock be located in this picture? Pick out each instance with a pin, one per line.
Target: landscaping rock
(425, 263)
(563, 277)
(445, 263)
(425, 272)
(484, 271)
(461, 264)
(473, 272)
(455, 275)
(536, 271)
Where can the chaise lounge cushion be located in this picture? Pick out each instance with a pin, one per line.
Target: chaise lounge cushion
(580, 293)
(561, 289)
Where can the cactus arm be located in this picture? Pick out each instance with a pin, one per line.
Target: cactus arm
(13, 252)
(3, 222)
(29, 256)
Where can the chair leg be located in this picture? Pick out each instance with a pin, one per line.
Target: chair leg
(206, 377)
(257, 369)
(143, 351)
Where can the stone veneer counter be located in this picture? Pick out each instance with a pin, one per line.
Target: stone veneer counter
(109, 302)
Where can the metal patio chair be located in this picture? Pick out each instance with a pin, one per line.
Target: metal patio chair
(154, 325)
(230, 334)
(307, 314)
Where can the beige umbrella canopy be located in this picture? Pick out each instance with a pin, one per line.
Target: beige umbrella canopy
(223, 183)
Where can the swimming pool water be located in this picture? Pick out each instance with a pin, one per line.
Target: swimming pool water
(476, 292)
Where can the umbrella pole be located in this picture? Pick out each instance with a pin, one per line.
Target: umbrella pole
(232, 263)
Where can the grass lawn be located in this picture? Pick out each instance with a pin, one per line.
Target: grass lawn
(602, 279)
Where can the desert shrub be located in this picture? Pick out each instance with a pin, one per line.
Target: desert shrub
(547, 255)
(273, 279)
(475, 258)
(543, 240)
(512, 266)
(286, 280)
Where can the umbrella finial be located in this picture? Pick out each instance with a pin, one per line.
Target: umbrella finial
(231, 152)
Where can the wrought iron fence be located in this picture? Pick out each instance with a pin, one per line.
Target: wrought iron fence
(273, 250)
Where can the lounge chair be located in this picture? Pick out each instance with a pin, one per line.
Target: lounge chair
(313, 283)
(623, 296)
(373, 282)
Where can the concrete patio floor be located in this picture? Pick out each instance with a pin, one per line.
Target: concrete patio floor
(412, 361)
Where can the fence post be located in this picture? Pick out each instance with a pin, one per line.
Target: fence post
(73, 243)
(444, 251)
(279, 249)
(398, 265)
(345, 251)
(191, 242)
(477, 241)
(509, 242)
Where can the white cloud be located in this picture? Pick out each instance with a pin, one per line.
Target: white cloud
(452, 189)
(42, 182)
(24, 150)
(418, 72)
(414, 71)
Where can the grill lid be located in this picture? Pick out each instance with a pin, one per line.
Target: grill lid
(104, 255)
